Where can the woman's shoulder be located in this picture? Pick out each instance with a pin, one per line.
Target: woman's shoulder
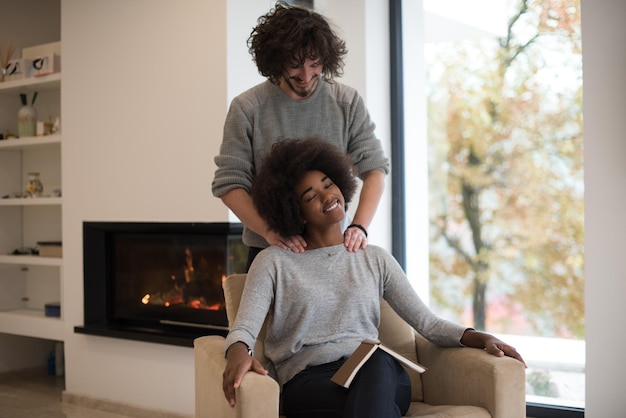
(269, 254)
(271, 257)
(375, 250)
(367, 255)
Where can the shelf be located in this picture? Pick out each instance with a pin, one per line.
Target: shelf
(32, 201)
(29, 142)
(45, 274)
(48, 82)
(31, 260)
(31, 323)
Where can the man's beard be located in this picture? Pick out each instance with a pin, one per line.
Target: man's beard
(306, 91)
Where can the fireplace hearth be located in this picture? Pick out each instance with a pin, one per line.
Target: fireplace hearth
(158, 282)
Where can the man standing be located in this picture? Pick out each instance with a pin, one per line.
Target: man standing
(300, 55)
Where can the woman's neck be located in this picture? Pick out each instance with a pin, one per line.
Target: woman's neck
(326, 238)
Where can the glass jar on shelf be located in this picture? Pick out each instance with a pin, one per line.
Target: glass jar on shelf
(27, 117)
(27, 121)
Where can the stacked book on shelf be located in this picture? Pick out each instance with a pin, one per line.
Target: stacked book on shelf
(50, 248)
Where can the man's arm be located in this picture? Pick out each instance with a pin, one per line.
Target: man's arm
(371, 192)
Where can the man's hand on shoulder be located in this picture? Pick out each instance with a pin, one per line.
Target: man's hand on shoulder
(296, 243)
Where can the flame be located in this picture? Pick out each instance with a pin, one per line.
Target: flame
(145, 299)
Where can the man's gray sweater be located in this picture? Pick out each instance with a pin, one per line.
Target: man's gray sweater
(264, 114)
(322, 303)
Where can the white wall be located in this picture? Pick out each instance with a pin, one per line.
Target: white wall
(143, 104)
(364, 25)
(604, 98)
(146, 87)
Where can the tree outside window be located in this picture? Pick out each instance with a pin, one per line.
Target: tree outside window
(505, 140)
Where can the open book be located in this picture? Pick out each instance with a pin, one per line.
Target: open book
(352, 365)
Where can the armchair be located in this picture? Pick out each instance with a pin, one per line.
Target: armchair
(460, 382)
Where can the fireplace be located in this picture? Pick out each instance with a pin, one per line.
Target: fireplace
(158, 282)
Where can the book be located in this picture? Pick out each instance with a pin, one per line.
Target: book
(346, 373)
(50, 248)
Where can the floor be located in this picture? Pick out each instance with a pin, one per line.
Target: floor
(32, 393)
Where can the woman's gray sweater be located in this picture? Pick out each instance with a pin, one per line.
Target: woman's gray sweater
(322, 303)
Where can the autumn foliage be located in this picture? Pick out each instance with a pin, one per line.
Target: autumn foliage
(506, 174)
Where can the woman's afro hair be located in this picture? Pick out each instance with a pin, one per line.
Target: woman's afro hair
(289, 160)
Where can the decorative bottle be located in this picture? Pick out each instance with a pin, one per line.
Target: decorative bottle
(27, 117)
(34, 187)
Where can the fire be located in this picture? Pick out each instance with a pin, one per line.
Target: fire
(146, 299)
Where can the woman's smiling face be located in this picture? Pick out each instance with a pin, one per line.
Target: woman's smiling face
(321, 202)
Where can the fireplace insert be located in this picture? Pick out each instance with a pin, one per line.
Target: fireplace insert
(158, 282)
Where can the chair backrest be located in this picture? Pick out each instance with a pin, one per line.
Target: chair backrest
(393, 330)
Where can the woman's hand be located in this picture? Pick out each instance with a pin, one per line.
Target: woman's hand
(499, 348)
(490, 344)
(238, 363)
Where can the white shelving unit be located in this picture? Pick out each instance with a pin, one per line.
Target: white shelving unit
(31, 323)
(41, 83)
(29, 142)
(41, 201)
(28, 282)
(31, 260)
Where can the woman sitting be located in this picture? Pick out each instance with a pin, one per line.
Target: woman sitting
(322, 304)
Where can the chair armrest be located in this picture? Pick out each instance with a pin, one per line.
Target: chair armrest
(469, 376)
(258, 395)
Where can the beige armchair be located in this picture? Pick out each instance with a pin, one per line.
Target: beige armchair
(460, 382)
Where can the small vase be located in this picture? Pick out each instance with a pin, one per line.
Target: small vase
(27, 121)
(34, 187)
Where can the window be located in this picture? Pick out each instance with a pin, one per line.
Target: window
(501, 147)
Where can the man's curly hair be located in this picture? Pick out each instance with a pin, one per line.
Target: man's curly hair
(290, 34)
(289, 160)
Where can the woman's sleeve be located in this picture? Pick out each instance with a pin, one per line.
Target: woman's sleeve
(256, 299)
(401, 296)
